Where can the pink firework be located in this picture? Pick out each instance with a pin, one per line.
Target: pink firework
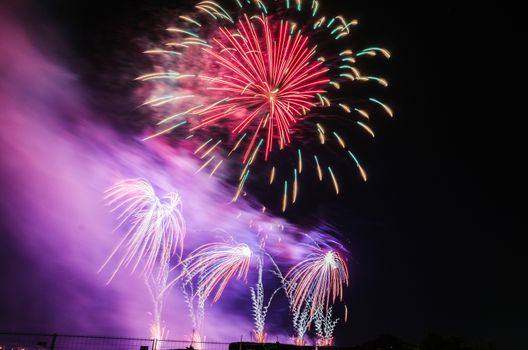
(213, 265)
(318, 278)
(156, 226)
(276, 78)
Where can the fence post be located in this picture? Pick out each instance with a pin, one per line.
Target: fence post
(53, 339)
(154, 344)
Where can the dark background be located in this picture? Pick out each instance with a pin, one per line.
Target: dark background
(435, 235)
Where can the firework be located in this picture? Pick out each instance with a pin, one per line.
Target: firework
(301, 316)
(276, 79)
(259, 307)
(156, 226)
(324, 326)
(214, 264)
(274, 74)
(301, 320)
(195, 300)
(156, 286)
(156, 230)
(319, 277)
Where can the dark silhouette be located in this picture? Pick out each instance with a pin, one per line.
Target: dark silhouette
(438, 342)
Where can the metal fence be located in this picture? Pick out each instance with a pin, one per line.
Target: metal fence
(33, 341)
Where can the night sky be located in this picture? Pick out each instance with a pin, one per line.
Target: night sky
(435, 235)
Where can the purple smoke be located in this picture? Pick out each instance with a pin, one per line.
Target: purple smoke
(55, 162)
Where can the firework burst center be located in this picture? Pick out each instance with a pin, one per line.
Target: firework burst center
(269, 80)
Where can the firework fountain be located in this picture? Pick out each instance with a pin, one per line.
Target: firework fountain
(259, 306)
(157, 230)
(195, 299)
(301, 320)
(324, 326)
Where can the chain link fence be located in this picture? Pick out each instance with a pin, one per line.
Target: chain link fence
(34, 341)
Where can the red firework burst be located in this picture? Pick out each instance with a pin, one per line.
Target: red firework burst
(253, 71)
(270, 74)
